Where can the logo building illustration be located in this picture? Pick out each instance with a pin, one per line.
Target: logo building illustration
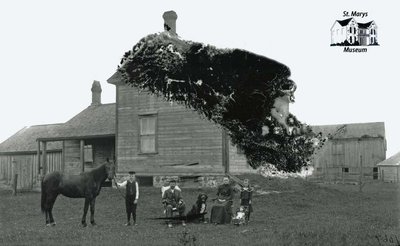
(349, 32)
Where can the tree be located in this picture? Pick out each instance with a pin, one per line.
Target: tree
(236, 89)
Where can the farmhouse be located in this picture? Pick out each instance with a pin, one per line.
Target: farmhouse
(352, 150)
(353, 33)
(389, 169)
(160, 139)
(156, 139)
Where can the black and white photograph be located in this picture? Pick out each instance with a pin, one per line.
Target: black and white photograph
(172, 122)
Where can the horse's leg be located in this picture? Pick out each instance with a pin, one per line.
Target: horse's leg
(85, 209)
(47, 217)
(92, 206)
(48, 207)
(52, 222)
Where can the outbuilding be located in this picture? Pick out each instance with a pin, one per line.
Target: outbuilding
(389, 169)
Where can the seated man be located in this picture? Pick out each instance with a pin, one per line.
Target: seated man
(166, 186)
(172, 200)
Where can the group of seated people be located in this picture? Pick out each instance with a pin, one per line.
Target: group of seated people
(221, 212)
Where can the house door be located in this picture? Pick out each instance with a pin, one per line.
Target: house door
(363, 41)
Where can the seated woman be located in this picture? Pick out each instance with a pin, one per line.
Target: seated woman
(221, 212)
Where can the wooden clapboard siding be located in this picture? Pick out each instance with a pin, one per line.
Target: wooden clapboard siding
(182, 137)
(26, 166)
(103, 148)
(389, 173)
(72, 158)
(238, 162)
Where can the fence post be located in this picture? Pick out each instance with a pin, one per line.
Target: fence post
(15, 182)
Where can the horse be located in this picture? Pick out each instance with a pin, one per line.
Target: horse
(85, 185)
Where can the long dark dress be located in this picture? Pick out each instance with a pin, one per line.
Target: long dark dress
(221, 212)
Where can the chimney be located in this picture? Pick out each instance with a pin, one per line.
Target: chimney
(170, 21)
(96, 93)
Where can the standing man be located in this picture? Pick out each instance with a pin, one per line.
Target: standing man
(173, 201)
(131, 197)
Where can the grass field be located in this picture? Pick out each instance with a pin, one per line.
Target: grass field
(301, 214)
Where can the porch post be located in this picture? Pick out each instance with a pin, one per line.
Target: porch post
(63, 157)
(44, 158)
(38, 157)
(82, 155)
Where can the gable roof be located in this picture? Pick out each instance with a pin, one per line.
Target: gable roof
(353, 130)
(392, 161)
(116, 79)
(344, 22)
(94, 121)
(25, 139)
(364, 25)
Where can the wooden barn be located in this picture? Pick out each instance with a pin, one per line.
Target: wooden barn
(352, 150)
(80, 144)
(389, 169)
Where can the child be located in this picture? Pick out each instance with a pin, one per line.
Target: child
(240, 217)
(131, 197)
(245, 198)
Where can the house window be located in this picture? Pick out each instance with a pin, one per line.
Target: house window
(148, 134)
(375, 173)
(351, 39)
(345, 169)
(88, 154)
(372, 40)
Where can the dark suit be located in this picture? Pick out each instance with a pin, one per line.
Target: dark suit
(173, 200)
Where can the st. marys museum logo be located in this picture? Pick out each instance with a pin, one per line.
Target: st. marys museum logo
(350, 32)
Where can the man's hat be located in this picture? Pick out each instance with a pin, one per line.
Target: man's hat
(132, 172)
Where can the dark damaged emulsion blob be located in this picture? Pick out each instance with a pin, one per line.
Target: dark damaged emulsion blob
(247, 94)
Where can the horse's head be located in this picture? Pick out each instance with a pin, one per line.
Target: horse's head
(110, 170)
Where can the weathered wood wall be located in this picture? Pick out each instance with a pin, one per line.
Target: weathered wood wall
(389, 173)
(26, 166)
(102, 149)
(238, 162)
(72, 157)
(183, 137)
(351, 154)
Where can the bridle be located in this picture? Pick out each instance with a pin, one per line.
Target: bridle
(115, 182)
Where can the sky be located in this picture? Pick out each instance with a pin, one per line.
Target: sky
(51, 51)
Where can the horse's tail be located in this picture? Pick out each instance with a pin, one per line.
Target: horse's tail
(43, 197)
